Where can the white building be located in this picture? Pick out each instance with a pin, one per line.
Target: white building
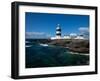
(73, 35)
(66, 37)
(79, 37)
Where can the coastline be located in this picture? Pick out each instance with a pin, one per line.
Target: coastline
(80, 47)
(76, 53)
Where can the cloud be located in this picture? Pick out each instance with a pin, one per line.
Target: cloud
(84, 29)
(36, 35)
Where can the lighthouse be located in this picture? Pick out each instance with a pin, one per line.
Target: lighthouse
(58, 32)
(58, 35)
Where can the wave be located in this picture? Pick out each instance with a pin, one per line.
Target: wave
(44, 44)
(28, 45)
(27, 42)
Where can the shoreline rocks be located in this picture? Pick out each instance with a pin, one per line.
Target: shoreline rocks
(73, 45)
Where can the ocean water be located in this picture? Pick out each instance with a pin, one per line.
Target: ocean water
(43, 55)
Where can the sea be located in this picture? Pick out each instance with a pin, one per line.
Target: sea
(44, 55)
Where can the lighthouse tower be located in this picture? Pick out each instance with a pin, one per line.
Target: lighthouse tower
(58, 32)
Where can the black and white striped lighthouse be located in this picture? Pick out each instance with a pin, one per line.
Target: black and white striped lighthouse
(58, 31)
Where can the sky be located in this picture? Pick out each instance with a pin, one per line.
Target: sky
(44, 24)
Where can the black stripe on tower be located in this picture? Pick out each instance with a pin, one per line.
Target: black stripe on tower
(58, 29)
(58, 34)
